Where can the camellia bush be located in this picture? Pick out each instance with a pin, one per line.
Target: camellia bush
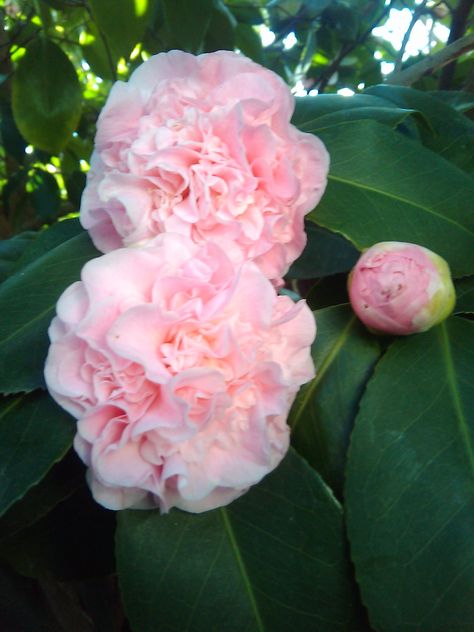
(236, 332)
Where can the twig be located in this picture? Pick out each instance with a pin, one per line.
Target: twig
(323, 81)
(415, 17)
(438, 60)
(108, 52)
(459, 24)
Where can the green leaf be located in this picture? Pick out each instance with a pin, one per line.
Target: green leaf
(45, 195)
(272, 560)
(27, 305)
(387, 116)
(325, 253)
(187, 22)
(13, 142)
(249, 42)
(323, 414)
(329, 291)
(73, 541)
(75, 184)
(47, 239)
(61, 481)
(314, 113)
(221, 32)
(410, 492)
(34, 434)
(46, 96)
(382, 187)
(451, 134)
(98, 54)
(459, 100)
(122, 23)
(309, 109)
(464, 296)
(11, 250)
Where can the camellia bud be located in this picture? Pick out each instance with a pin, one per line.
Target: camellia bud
(401, 288)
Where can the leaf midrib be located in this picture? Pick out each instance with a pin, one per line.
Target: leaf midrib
(456, 395)
(426, 209)
(328, 360)
(243, 571)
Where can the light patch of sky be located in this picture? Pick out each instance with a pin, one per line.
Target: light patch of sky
(396, 26)
(289, 41)
(424, 35)
(266, 35)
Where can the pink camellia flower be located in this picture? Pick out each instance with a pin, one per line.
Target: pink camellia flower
(401, 288)
(202, 146)
(181, 369)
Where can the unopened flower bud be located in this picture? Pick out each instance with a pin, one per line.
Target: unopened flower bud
(401, 288)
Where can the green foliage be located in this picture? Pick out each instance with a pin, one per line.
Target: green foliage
(465, 295)
(376, 493)
(187, 22)
(409, 492)
(48, 119)
(25, 421)
(27, 302)
(325, 253)
(121, 23)
(323, 415)
(383, 187)
(272, 560)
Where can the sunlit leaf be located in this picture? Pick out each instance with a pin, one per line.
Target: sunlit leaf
(46, 96)
(383, 187)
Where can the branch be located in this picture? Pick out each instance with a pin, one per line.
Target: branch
(430, 64)
(458, 28)
(415, 17)
(328, 72)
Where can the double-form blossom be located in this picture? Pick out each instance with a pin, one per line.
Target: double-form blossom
(203, 146)
(180, 368)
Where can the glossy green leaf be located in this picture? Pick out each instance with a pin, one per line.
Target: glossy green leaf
(27, 304)
(451, 134)
(61, 481)
(388, 116)
(331, 109)
(410, 491)
(34, 434)
(464, 296)
(382, 187)
(11, 250)
(122, 23)
(309, 109)
(47, 120)
(187, 22)
(325, 253)
(273, 560)
(47, 239)
(323, 414)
